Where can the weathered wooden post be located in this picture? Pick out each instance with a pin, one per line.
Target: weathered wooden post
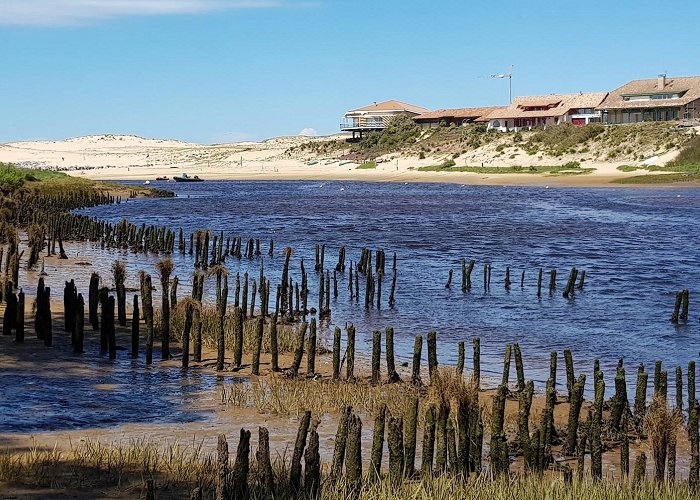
(299, 351)
(410, 432)
(262, 458)
(539, 283)
(274, 350)
(506, 367)
(311, 354)
(312, 464)
(93, 300)
(148, 312)
(596, 430)
(299, 445)
(350, 356)
(640, 467)
(375, 464)
(376, 356)
(524, 405)
(390, 361)
(691, 382)
(694, 438)
(341, 437)
(165, 269)
(111, 334)
(353, 466)
(519, 367)
(677, 307)
(460, 358)
(396, 450)
(432, 354)
(575, 405)
(499, 446)
(135, 315)
(449, 280)
(19, 321)
(477, 362)
(239, 474)
(428, 442)
(570, 379)
(417, 353)
(222, 469)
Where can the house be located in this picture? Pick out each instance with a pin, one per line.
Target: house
(376, 116)
(553, 109)
(459, 116)
(658, 99)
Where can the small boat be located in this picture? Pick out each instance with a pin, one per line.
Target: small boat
(164, 178)
(187, 178)
(146, 183)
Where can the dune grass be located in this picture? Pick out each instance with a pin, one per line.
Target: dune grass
(571, 168)
(367, 165)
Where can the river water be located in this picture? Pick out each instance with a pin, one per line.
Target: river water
(637, 246)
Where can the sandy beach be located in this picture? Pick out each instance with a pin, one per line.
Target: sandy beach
(114, 157)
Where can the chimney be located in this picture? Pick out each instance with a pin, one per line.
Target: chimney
(661, 82)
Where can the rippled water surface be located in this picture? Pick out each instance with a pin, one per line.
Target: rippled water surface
(637, 246)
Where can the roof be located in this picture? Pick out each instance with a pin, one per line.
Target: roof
(689, 84)
(558, 104)
(441, 114)
(391, 106)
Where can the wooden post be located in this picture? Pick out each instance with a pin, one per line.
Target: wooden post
(390, 361)
(239, 475)
(299, 351)
(262, 457)
(79, 322)
(640, 467)
(569, 363)
(396, 457)
(694, 438)
(428, 442)
(274, 350)
(312, 464)
(299, 445)
(477, 362)
(524, 405)
(410, 432)
(341, 437)
(376, 356)
(311, 355)
(222, 469)
(259, 329)
(375, 464)
(574, 414)
(135, 329)
(336, 353)
(539, 283)
(350, 357)
(432, 355)
(519, 367)
(506, 367)
(148, 311)
(353, 467)
(110, 324)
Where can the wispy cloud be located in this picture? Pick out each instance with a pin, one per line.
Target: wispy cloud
(77, 12)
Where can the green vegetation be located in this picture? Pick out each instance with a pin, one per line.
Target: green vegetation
(367, 165)
(557, 140)
(570, 168)
(12, 177)
(628, 168)
(658, 178)
(689, 155)
(400, 132)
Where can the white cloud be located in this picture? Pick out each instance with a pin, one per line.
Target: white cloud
(308, 131)
(70, 12)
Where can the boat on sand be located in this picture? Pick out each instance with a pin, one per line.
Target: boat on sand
(187, 178)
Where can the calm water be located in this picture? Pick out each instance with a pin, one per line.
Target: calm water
(638, 248)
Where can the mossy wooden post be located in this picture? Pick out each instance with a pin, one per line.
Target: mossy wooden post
(93, 300)
(79, 322)
(553, 371)
(336, 353)
(640, 467)
(148, 312)
(460, 358)
(624, 448)
(264, 465)
(677, 307)
(350, 356)
(312, 463)
(519, 367)
(165, 269)
(552, 281)
(640, 398)
(299, 351)
(524, 405)
(569, 365)
(104, 327)
(539, 283)
(575, 405)
(221, 318)
(311, 354)
(10, 315)
(417, 353)
(428, 442)
(410, 433)
(299, 445)
(390, 361)
(443, 413)
(432, 355)
(671, 469)
(581, 451)
(453, 459)
(353, 464)
(111, 334)
(244, 298)
(274, 349)
(506, 367)
(376, 356)
(135, 328)
(396, 450)
(259, 332)
(691, 382)
(507, 280)
(237, 336)
(375, 464)
(449, 280)
(499, 448)
(477, 362)
(19, 318)
(187, 332)
(222, 469)
(694, 438)
(596, 430)
(547, 431)
(679, 388)
(241, 467)
(464, 274)
(340, 444)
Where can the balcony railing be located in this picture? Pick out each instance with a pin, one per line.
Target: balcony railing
(367, 125)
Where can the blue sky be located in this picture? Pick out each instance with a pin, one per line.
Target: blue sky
(227, 70)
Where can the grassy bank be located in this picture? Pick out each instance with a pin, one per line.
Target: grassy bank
(571, 168)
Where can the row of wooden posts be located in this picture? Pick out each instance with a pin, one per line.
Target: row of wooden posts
(468, 268)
